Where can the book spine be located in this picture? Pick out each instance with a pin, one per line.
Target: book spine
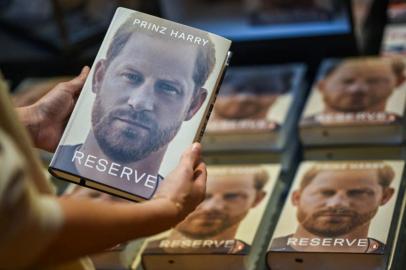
(203, 125)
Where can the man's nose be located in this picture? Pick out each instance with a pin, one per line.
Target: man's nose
(213, 203)
(142, 97)
(358, 86)
(339, 199)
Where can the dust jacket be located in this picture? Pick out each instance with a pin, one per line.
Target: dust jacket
(357, 100)
(340, 215)
(256, 108)
(148, 96)
(227, 230)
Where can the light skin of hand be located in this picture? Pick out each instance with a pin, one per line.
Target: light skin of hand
(92, 225)
(46, 119)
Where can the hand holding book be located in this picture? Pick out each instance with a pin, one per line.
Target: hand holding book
(185, 186)
(46, 119)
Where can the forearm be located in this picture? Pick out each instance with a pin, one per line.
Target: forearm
(91, 227)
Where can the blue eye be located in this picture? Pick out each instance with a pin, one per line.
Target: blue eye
(134, 78)
(327, 193)
(168, 88)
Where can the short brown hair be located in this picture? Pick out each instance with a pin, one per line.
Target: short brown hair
(206, 56)
(396, 64)
(260, 179)
(259, 174)
(384, 171)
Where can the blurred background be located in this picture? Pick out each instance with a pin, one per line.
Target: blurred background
(45, 38)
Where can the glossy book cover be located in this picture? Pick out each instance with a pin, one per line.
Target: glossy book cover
(146, 99)
(363, 91)
(339, 207)
(255, 99)
(227, 219)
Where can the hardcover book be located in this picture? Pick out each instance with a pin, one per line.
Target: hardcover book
(287, 157)
(228, 230)
(394, 40)
(340, 215)
(364, 152)
(396, 12)
(256, 109)
(356, 101)
(147, 98)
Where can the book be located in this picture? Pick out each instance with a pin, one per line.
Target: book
(365, 152)
(396, 12)
(287, 157)
(147, 98)
(356, 101)
(393, 41)
(340, 215)
(228, 229)
(256, 109)
(118, 258)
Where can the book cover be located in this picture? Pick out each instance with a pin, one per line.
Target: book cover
(147, 97)
(336, 210)
(396, 12)
(229, 222)
(394, 39)
(254, 106)
(364, 152)
(356, 100)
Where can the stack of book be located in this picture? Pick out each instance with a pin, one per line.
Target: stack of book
(255, 115)
(394, 38)
(228, 229)
(356, 109)
(124, 143)
(341, 215)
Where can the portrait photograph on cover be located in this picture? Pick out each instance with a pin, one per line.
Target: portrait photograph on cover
(344, 207)
(394, 40)
(357, 91)
(253, 99)
(143, 103)
(228, 218)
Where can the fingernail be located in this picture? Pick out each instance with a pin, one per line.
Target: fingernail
(196, 147)
(84, 69)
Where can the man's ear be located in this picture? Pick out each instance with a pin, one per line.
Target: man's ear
(321, 85)
(387, 195)
(98, 75)
(259, 197)
(197, 102)
(295, 197)
(398, 67)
